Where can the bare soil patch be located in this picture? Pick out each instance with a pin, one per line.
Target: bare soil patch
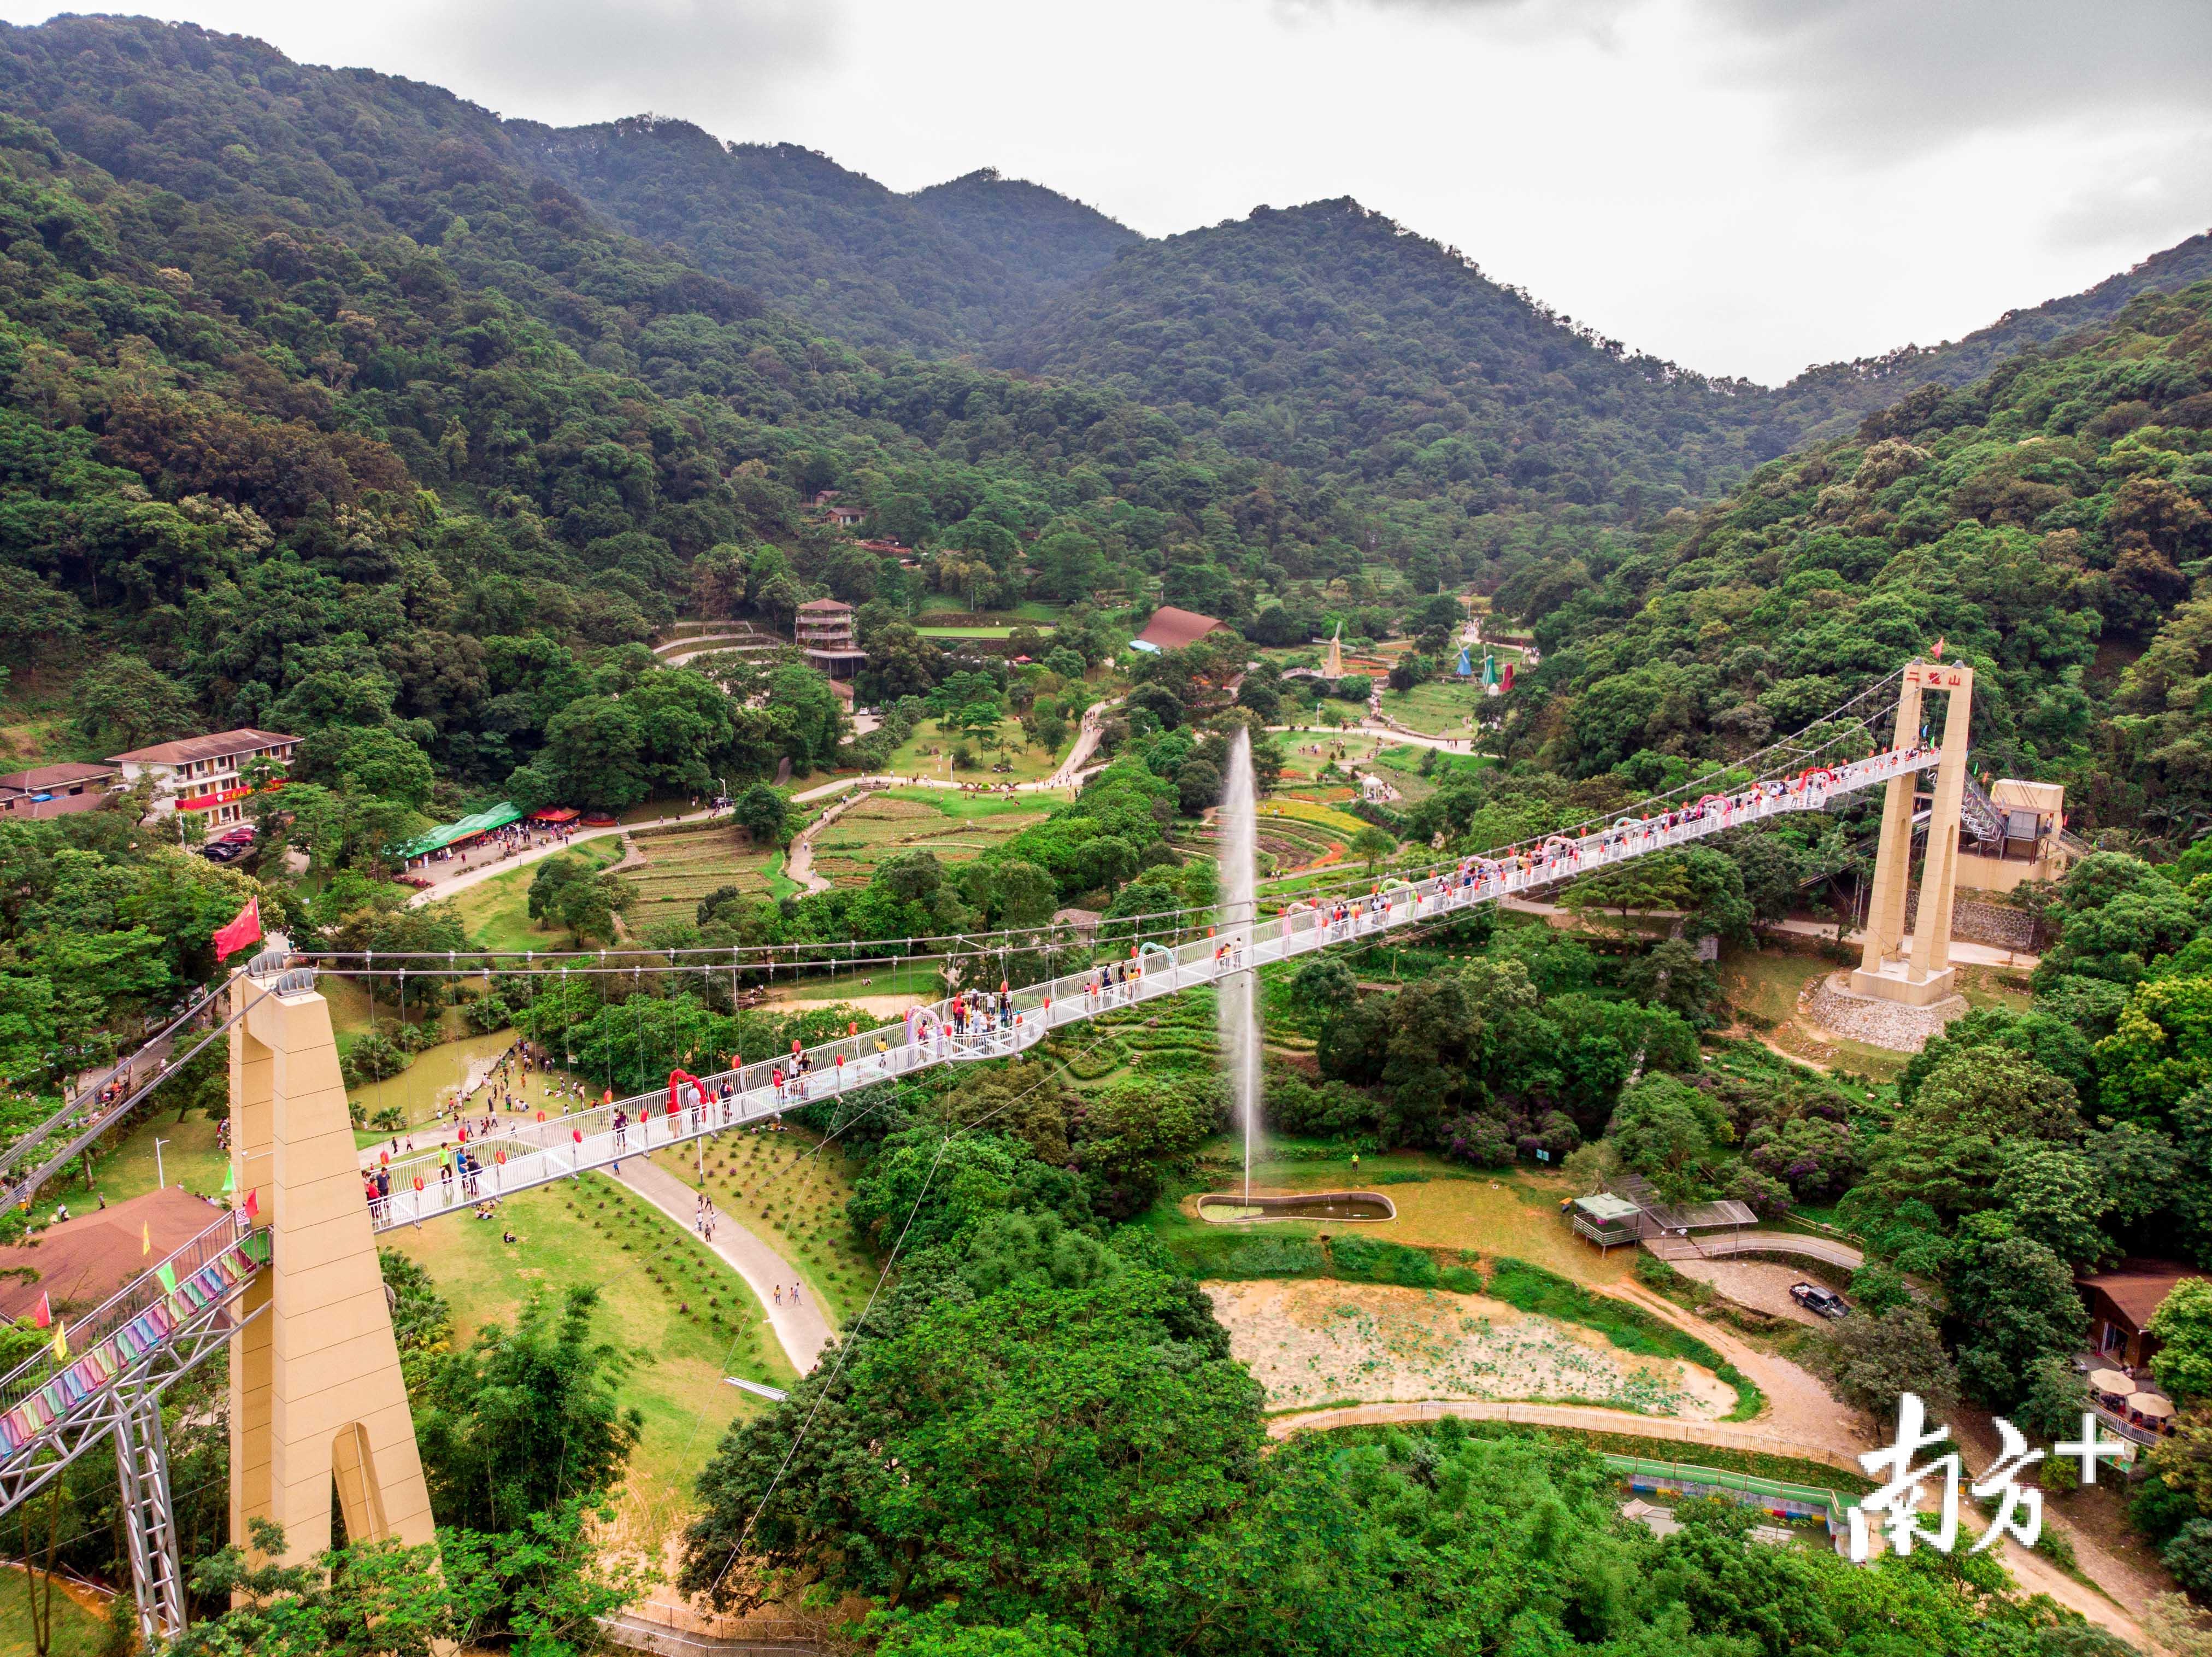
(1310, 1342)
(1760, 1285)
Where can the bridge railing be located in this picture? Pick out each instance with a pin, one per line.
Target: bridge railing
(519, 1154)
(126, 1330)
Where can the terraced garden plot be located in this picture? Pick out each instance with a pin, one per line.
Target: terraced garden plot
(1315, 1341)
(955, 827)
(677, 869)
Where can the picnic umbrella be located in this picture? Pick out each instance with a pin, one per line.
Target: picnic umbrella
(2111, 1381)
(2151, 1404)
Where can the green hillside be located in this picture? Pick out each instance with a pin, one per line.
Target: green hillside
(2050, 522)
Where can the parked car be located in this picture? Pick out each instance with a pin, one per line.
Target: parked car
(222, 851)
(1814, 1297)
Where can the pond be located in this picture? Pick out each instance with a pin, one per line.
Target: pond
(1224, 1208)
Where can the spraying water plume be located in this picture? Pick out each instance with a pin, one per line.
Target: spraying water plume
(1236, 824)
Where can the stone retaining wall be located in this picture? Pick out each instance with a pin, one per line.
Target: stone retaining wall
(1975, 920)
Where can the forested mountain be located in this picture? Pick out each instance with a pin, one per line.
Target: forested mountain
(1824, 400)
(1328, 337)
(238, 363)
(2051, 522)
(1035, 233)
(949, 269)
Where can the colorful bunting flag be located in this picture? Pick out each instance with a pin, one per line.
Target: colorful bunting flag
(168, 1275)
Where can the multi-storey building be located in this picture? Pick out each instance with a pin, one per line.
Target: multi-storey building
(825, 634)
(204, 774)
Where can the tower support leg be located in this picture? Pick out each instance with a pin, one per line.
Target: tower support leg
(149, 1519)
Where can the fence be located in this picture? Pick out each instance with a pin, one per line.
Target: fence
(1782, 1499)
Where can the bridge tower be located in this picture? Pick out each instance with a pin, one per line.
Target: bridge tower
(315, 1391)
(1885, 971)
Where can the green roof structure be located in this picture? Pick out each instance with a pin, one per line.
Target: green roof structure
(467, 828)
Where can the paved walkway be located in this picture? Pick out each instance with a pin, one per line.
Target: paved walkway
(799, 861)
(462, 878)
(1582, 1418)
(802, 1328)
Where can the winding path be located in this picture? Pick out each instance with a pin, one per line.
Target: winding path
(800, 1326)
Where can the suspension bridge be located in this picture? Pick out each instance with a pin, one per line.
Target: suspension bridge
(288, 1285)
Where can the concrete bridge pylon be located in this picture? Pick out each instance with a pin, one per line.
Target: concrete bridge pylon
(316, 1396)
(1885, 971)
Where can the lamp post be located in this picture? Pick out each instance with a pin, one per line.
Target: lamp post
(160, 1179)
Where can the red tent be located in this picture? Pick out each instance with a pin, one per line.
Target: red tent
(554, 815)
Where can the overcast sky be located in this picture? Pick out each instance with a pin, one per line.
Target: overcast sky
(1743, 186)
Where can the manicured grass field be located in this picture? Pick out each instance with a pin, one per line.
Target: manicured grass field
(495, 913)
(76, 1631)
(189, 1160)
(1438, 708)
(955, 827)
(682, 1356)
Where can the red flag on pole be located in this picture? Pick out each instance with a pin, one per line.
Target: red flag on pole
(45, 1315)
(245, 928)
(253, 1203)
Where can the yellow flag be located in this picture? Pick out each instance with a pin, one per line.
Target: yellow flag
(61, 1341)
(146, 1238)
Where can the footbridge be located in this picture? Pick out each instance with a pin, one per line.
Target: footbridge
(961, 1029)
(290, 1285)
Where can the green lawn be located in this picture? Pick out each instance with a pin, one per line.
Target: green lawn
(925, 754)
(76, 1631)
(1438, 708)
(189, 1158)
(496, 912)
(678, 1383)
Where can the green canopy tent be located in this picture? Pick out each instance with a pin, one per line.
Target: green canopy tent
(467, 828)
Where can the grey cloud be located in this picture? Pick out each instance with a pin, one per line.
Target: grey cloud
(1885, 76)
(582, 59)
(2151, 199)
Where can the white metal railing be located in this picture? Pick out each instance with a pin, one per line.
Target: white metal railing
(519, 1155)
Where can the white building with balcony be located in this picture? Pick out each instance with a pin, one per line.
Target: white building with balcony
(204, 776)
